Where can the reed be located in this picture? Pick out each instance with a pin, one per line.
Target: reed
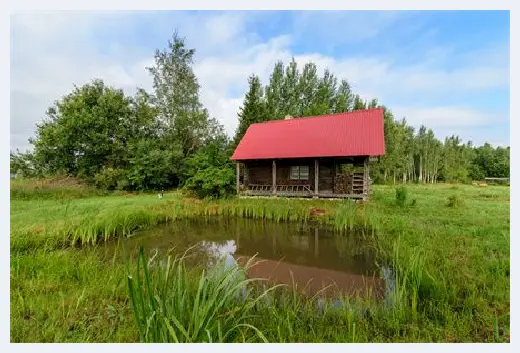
(171, 305)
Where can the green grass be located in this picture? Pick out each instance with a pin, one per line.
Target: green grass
(451, 266)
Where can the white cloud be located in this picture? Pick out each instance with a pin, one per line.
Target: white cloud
(52, 52)
(443, 117)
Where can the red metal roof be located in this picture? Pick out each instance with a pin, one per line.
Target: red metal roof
(358, 133)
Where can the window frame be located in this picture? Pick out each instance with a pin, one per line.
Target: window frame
(299, 176)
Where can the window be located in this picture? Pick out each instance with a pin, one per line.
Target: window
(300, 172)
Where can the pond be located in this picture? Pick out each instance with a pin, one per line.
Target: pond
(308, 258)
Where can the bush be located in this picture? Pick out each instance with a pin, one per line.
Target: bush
(455, 201)
(212, 182)
(401, 194)
(154, 168)
(109, 178)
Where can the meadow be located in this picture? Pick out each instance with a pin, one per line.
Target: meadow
(448, 246)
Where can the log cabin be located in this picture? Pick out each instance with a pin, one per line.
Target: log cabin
(323, 156)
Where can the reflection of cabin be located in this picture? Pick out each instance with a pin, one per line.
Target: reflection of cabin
(314, 280)
(322, 156)
(314, 264)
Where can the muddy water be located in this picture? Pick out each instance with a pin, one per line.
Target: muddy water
(307, 257)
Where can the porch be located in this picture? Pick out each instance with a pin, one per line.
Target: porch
(345, 177)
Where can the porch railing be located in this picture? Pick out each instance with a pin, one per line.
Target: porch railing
(285, 186)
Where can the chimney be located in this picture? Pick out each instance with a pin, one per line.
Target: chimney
(288, 117)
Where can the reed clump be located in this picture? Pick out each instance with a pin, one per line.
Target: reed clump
(172, 305)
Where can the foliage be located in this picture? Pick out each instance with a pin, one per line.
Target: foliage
(110, 179)
(152, 167)
(214, 308)
(455, 201)
(212, 182)
(86, 130)
(182, 117)
(253, 110)
(22, 164)
(142, 142)
(401, 194)
(490, 162)
(211, 172)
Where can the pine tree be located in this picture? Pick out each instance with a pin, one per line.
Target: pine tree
(253, 109)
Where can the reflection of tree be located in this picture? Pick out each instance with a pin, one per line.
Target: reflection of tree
(217, 251)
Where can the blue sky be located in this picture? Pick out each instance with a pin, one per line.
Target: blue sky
(448, 70)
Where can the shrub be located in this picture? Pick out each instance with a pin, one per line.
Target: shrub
(401, 194)
(455, 201)
(154, 168)
(109, 178)
(213, 182)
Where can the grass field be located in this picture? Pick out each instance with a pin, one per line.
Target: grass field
(448, 246)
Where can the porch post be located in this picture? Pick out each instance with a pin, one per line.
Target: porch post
(316, 176)
(238, 178)
(368, 176)
(365, 178)
(274, 177)
(246, 176)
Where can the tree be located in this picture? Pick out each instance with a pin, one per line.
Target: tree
(84, 131)
(153, 167)
(176, 96)
(490, 162)
(210, 169)
(344, 99)
(358, 103)
(325, 95)
(290, 90)
(273, 93)
(307, 89)
(22, 164)
(253, 109)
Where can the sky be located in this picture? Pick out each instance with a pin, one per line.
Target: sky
(448, 70)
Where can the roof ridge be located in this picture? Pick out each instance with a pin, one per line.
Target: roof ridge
(316, 116)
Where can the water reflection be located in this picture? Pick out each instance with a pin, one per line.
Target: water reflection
(310, 259)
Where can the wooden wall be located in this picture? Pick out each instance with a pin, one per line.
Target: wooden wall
(260, 171)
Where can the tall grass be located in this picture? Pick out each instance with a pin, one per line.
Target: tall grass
(90, 223)
(58, 187)
(170, 305)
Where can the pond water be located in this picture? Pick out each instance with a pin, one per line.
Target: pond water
(311, 258)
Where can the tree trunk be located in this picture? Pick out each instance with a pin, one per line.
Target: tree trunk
(420, 169)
